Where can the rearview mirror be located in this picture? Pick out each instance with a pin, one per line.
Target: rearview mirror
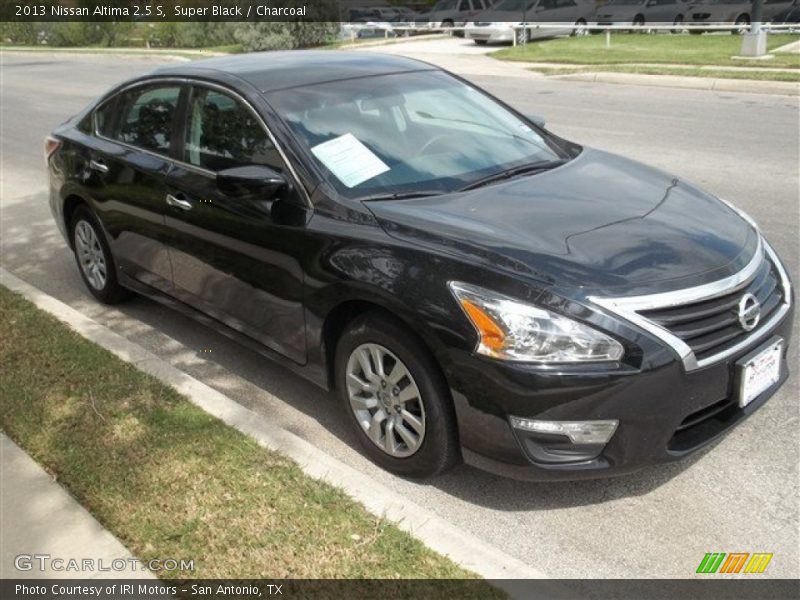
(250, 179)
(536, 120)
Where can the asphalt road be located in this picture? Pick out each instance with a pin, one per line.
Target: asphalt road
(741, 495)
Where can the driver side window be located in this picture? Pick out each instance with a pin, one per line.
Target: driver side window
(221, 133)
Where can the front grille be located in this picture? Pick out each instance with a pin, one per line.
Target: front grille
(710, 327)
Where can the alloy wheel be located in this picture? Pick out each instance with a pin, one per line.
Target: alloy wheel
(385, 400)
(90, 254)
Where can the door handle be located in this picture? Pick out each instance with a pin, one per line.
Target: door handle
(98, 165)
(178, 202)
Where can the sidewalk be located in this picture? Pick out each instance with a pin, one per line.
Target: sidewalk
(38, 517)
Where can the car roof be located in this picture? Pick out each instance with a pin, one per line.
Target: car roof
(270, 71)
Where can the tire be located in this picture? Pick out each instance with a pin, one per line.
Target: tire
(580, 29)
(742, 23)
(638, 21)
(678, 22)
(480, 42)
(94, 259)
(437, 448)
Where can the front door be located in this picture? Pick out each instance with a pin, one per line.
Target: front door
(233, 256)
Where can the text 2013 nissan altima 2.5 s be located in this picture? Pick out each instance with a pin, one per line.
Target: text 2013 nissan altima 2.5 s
(472, 286)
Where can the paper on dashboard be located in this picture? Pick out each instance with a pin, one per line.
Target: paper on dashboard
(350, 160)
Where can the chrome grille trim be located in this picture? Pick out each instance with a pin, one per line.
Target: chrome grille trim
(628, 307)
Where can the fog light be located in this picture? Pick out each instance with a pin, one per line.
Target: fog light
(578, 432)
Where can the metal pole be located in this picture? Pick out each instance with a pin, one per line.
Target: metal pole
(758, 11)
(608, 38)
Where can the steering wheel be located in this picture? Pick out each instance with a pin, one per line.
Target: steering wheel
(434, 140)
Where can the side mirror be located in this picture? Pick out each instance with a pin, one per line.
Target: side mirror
(251, 179)
(536, 120)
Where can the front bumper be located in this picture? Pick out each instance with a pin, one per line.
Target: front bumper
(664, 412)
(489, 33)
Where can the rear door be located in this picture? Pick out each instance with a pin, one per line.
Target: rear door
(127, 177)
(235, 258)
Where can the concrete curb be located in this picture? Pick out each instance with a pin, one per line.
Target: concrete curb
(460, 546)
(782, 88)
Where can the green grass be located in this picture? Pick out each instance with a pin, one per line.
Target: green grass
(169, 480)
(765, 75)
(687, 49)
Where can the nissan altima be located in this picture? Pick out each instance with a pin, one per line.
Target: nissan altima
(472, 286)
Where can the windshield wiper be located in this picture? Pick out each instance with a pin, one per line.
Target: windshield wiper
(514, 172)
(402, 195)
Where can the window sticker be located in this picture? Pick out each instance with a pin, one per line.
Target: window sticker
(350, 160)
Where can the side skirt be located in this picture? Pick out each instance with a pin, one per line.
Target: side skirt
(312, 372)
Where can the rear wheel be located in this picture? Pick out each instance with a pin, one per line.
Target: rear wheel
(742, 24)
(638, 21)
(580, 28)
(395, 398)
(678, 22)
(93, 255)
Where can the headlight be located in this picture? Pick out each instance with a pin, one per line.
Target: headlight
(515, 331)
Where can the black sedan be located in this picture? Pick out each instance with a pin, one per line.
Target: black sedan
(471, 285)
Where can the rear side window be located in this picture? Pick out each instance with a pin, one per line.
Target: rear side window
(221, 133)
(147, 117)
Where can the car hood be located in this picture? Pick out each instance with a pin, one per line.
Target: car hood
(599, 222)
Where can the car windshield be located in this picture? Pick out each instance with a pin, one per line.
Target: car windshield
(408, 133)
(445, 5)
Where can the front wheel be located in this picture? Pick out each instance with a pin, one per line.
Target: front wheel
(93, 255)
(678, 22)
(395, 397)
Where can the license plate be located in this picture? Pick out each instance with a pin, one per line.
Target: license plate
(760, 372)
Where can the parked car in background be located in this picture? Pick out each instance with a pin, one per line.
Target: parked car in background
(451, 13)
(640, 12)
(502, 22)
(789, 15)
(710, 12)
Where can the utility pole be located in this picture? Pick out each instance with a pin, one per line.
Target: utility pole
(754, 42)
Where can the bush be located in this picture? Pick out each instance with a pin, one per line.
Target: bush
(17, 33)
(85, 33)
(204, 35)
(283, 36)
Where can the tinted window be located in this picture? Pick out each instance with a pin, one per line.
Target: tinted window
(222, 133)
(147, 117)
